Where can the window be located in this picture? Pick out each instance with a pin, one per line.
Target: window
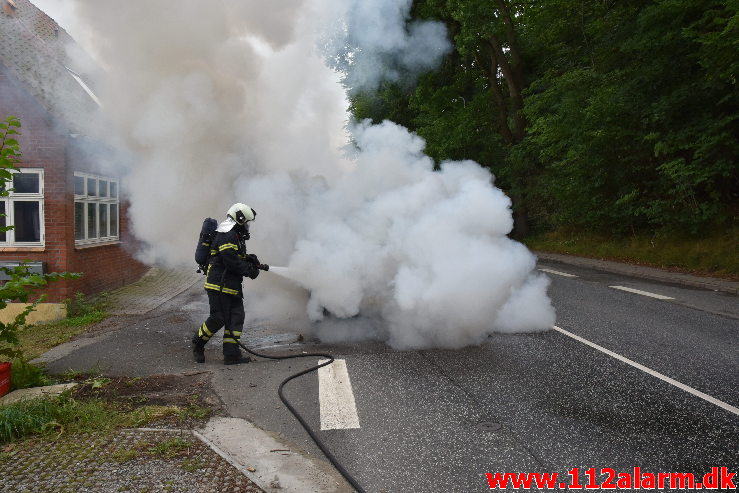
(95, 209)
(24, 209)
(84, 86)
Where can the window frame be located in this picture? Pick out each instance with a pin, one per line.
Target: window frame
(13, 197)
(97, 200)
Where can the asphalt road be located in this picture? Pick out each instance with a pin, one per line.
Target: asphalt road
(437, 421)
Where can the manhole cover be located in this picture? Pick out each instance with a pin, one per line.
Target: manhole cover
(489, 426)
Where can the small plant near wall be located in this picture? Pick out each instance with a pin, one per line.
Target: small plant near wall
(21, 283)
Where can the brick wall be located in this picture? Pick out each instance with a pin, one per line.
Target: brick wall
(105, 267)
(45, 144)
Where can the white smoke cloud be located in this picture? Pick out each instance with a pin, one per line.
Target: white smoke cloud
(381, 44)
(231, 101)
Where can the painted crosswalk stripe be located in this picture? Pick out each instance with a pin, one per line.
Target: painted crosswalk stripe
(649, 371)
(338, 409)
(556, 272)
(643, 293)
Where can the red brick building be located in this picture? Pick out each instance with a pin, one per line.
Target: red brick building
(67, 207)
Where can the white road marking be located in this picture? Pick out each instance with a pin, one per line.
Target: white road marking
(643, 293)
(643, 368)
(338, 409)
(563, 274)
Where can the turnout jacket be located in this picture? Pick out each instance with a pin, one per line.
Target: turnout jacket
(229, 263)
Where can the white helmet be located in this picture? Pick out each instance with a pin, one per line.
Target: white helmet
(241, 213)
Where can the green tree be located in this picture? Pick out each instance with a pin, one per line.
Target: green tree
(633, 131)
(613, 117)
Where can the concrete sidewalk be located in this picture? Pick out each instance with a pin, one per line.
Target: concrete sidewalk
(640, 271)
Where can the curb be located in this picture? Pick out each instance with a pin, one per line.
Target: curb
(270, 463)
(651, 273)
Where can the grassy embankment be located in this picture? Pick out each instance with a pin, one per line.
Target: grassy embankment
(716, 256)
(82, 314)
(35, 340)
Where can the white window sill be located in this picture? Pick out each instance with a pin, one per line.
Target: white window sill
(82, 246)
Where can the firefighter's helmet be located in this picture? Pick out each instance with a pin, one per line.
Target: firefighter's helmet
(241, 213)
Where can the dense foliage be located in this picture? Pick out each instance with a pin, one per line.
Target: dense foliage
(609, 116)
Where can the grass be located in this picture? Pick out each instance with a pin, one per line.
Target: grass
(126, 455)
(171, 448)
(78, 375)
(63, 415)
(713, 256)
(37, 339)
(55, 415)
(82, 312)
(192, 465)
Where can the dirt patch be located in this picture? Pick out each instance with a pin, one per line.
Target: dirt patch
(189, 391)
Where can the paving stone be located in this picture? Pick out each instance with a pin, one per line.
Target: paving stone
(155, 288)
(132, 460)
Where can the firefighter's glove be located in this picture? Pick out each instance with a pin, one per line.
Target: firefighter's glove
(252, 258)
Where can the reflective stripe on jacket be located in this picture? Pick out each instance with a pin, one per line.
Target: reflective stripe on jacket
(229, 264)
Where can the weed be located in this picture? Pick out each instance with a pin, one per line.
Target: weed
(142, 446)
(77, 375)
(25, 375)
(192, 465)
(100, 382)
(171, 448)
(65, 415)
(124, 455)
(195, 411)
(145, 415)
(82, 306)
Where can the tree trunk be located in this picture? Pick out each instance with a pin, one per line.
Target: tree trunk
(510, 28)
(514, 87)
(520, 215)
(492, 74)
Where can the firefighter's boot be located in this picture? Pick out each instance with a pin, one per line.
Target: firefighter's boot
(198, 349)
(234, 358)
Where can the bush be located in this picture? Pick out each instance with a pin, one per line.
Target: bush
(24, 375)
(83, 306)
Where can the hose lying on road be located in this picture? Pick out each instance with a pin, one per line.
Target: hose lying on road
(297, 415)
(280, 392)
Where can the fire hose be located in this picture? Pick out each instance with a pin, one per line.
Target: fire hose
(284, 400)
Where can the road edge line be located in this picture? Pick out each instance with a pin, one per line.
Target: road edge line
(664, 378)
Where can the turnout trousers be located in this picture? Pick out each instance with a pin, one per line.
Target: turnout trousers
(225, 310)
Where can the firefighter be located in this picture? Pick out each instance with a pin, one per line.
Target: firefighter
(227, 266)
